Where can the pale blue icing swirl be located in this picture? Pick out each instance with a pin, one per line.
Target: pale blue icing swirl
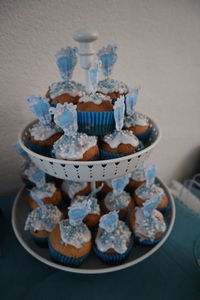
(94, 206)
(44, 217)
(121, 137)
(42, 132)
(118, 239)
(145, 192)
(73, 147)
(117, 202)
(136, 119)
(66, 87)
(76, 236)
(108, 86)
(148, 226)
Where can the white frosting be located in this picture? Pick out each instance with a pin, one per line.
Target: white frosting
(46, 191)
(96, 99)
(117, 239)
(116, 202)
(73, 147)
(108, 86)
(42, 132)
(76, 236)
(143, 227)
(145, 192)
(72, 187)
(136, 119)
(138, 175)
(95, 209)
(121, 137)
(66, 87)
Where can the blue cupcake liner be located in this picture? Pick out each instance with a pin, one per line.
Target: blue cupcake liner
(43, 150)
(108, 155)
(144, 136)
(96, 123)
(113, 259)
(40, 241)
(65, 260)
(146, 242)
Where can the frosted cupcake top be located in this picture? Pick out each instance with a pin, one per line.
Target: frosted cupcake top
(139, 174)
(148, 226)
(96, 98)
(66, 87)
(42, 132)
(76, 236)
(116, 138)
(112, 234)
(108, 86)
(73, 147)
(72, 187)
(136, 119)
(44, 217)
(117, 202)
(94, 206)
(47, 190)
(145, 192)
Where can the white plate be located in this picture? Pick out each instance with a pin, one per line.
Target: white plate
(99, 170)
(92, 265)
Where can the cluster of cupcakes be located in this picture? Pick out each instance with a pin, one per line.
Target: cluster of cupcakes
(100, 122)
(108, 221)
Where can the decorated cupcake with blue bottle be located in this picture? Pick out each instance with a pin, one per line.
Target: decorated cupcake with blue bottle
(66, 90)
(147, 223)
(95, 111)
(70, 242)
(44, 132)
(46, 191)
(149, 188)
(119, 142)
(118, 200)
(72, 145)
(134, 121)
(113, 242)
(42, 220)
(137, 178)
(113, 88)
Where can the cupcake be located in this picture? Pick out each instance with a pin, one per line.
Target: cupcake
(67, 90)
(118, 200)
(110, 87)
(148, 230)
(41, 221)
(92, 218)
(70, 242)
(95, 114)
(138, 124)
(113, 241)
(72, 189)
(137, 178)
(43, 133)
(48, 193)
(72, 145)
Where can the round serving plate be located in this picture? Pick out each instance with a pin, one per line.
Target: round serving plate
(92, 265)
(91, 170)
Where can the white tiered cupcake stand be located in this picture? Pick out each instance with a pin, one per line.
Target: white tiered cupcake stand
(87, 171)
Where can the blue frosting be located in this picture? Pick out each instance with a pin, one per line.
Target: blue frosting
(131, 101)
(119, 184)
(66, 59)
(107, 57)
(109, 222)
(65, 116)
(78, 211)
(119, 109)
(40, 107)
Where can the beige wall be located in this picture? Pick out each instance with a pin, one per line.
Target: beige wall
(159, 49)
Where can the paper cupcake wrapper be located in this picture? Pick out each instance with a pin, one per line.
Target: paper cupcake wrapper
(108, 155)
(96, 123)
(144, 136)
(43, 150)
(146, 242)
(65, 260)
(43, 242)
(113, 259)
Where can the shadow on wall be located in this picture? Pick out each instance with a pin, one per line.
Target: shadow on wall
(189, 166)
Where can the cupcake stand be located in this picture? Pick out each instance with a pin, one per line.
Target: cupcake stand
(91, 171)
